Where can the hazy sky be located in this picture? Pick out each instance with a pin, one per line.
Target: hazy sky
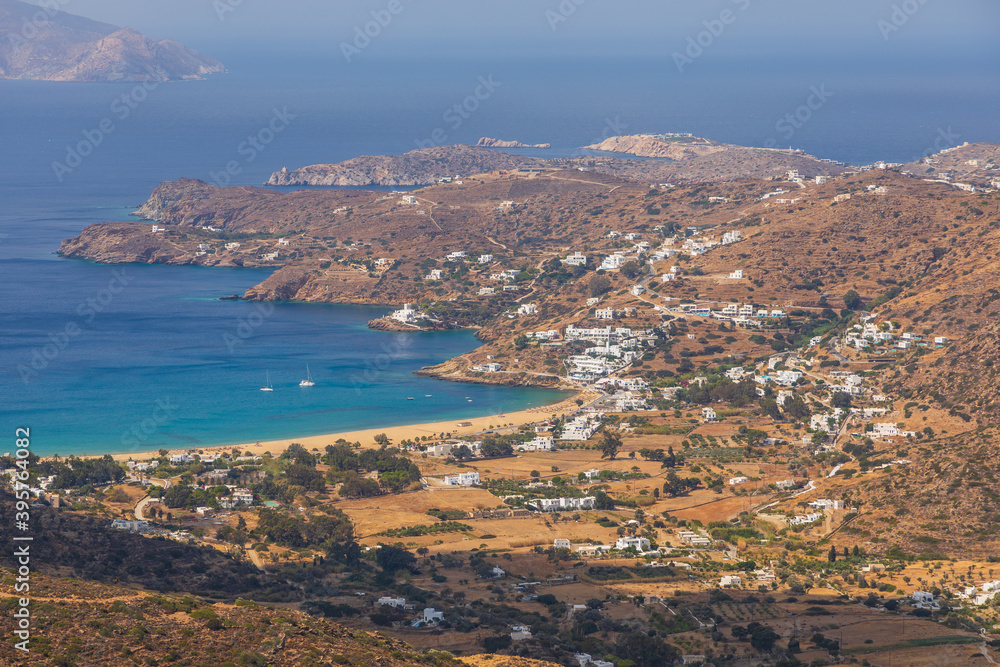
(888, 29)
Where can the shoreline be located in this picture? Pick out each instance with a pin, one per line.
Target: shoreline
(396, 434)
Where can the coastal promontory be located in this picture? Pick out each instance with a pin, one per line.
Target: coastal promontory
(42, 43)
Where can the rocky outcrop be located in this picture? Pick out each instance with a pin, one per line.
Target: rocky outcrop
(459, 370)
(648, 145)
(487, 142)
(423, 166)
(45, 44)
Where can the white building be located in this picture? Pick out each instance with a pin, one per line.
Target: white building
(180, 459)
(564, 504)
(462, 479)
(485, 259)
(612, 262)
(396, 603)
(561, 544)
(736, 275)
(130, 526)
(640, 544)
(527, 309)
(242, 496)
(435, 274)
(406, 315)
(734, 481)
(604, 314)
(731, 580)
(409, 199)
(432, 616)
(232, 246)
(708, 414)
(576, 259)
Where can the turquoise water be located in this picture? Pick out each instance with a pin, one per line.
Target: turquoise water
(94, 363)
(153, 359)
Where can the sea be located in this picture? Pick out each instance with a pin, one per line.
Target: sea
(110, 359)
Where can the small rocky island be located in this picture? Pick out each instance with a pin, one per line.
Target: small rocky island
(487, 142)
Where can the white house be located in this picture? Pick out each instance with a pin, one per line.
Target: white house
(435, 274)
(283, 242)
(406, 315)
(409, 199)
(130, 526)
(456, 256)
(157, 229)
(576, 259)
(527, 309)
(560, 504)
(731, 580)
(242, 496)
(734, 481)
(492, 367)
(708, 414)
(232, 246)
(604, 314)
(485, 259)
(180, 459)
(432, 616)
(396, 603)
(736, 275)
(612, 262)
(886, 430)
(561, 544)
(640, 544)
(462, 479)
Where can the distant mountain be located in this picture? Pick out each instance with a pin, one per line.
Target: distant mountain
(44, 44)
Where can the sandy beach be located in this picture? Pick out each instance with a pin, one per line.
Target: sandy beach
(395, 434)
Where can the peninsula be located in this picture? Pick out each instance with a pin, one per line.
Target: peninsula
(44, 43)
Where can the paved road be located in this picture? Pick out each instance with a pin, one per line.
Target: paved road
(140, 506)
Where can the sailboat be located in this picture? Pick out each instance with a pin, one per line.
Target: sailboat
(268, 386)
(308, 382)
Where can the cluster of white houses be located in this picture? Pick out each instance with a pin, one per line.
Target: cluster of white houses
(868, 334)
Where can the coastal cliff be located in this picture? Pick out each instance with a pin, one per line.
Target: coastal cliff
(487, 142)
(43, 43)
